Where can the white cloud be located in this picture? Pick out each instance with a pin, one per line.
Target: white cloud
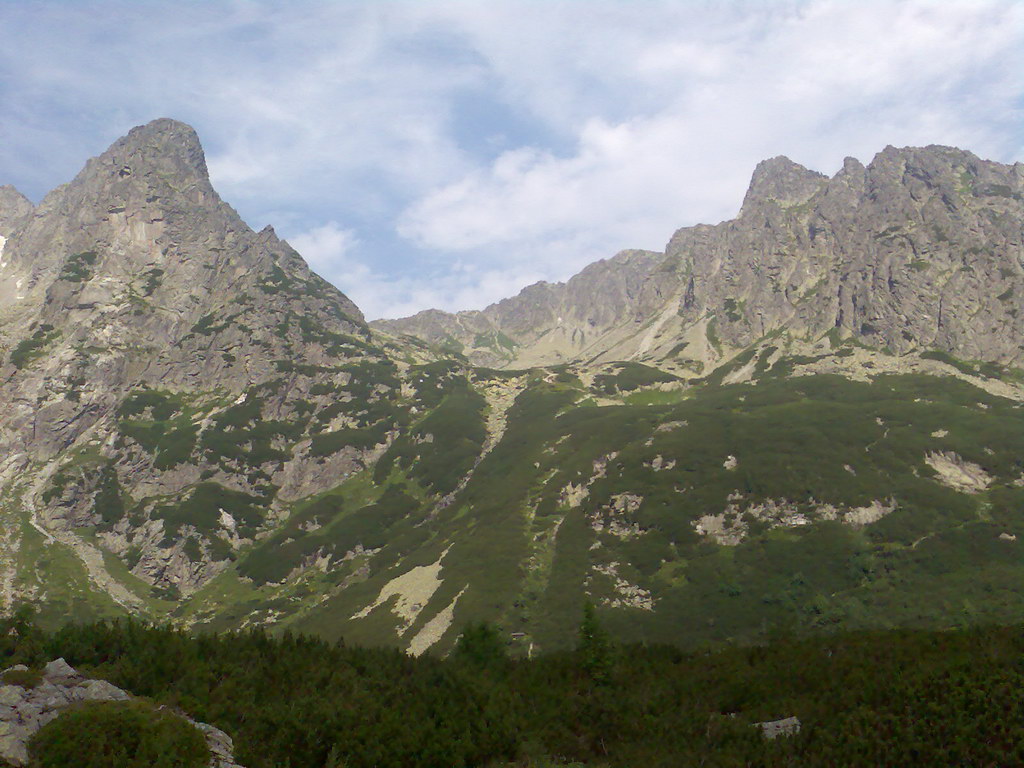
(817, 81)
(326, 248)
(336, 254)
(479, 146)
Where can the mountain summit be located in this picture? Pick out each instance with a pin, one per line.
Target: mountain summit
(14, 206)
(781, 181)
(136, 276)
(921, 249)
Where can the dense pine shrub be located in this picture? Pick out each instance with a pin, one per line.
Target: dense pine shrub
(118, 734)
(897, 697)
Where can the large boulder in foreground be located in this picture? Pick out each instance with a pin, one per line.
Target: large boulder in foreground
(30, 700)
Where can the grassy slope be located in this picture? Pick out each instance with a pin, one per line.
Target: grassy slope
(520, 555)
(937, 560)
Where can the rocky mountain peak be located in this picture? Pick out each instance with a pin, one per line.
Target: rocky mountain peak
(14, 206)
(129, 207)
(163, 145)
(781, 180)
(140, 220)
(153, 168)
(140, 262)
(903, 254)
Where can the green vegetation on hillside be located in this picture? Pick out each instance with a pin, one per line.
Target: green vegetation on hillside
(329, 532)
(205, 508)
(154, 277)
(830, 511)
(169, 433)
(986, 369)
(240, 437)
(869, 698)
(442, 447)
(34, 346)
(118, 734)
(78, 267)
(630, 376)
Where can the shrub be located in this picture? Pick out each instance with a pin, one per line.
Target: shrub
(631, 376)
(77, 269)
(111, 734)
(26, 678)
(32, 348)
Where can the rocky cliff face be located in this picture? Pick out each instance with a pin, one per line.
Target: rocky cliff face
(137, 309)
(14, 207)
(548, 323)
(920, 249)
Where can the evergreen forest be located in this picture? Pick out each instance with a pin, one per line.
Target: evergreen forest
(883, 697)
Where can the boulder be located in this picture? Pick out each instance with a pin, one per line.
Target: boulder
(10, 695)
(99, 690)
(220, 744)
(788, 726)
(14, 743)
(58, 669)
(23, 711)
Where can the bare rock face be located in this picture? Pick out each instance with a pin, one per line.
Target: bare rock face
(139, 248)
(783, 182)
(14, 207)
(549, 322)
(921, 249)
(136, 310)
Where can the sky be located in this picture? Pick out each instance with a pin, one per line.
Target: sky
(447, 154)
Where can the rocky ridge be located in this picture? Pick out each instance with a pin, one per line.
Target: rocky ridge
(136, 279)
(14, 207)
(920, 249)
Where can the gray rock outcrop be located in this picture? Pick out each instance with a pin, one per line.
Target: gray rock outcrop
(24, 710)
(772, 729)
(922, 249)
(14, 208)
(134, 277)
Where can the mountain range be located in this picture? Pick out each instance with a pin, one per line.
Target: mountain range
(806, 417)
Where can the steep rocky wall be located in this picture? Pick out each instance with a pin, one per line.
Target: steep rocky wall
(136, 284)
(923, 248)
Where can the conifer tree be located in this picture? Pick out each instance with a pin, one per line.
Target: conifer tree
(481, 646)
(595, 647)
